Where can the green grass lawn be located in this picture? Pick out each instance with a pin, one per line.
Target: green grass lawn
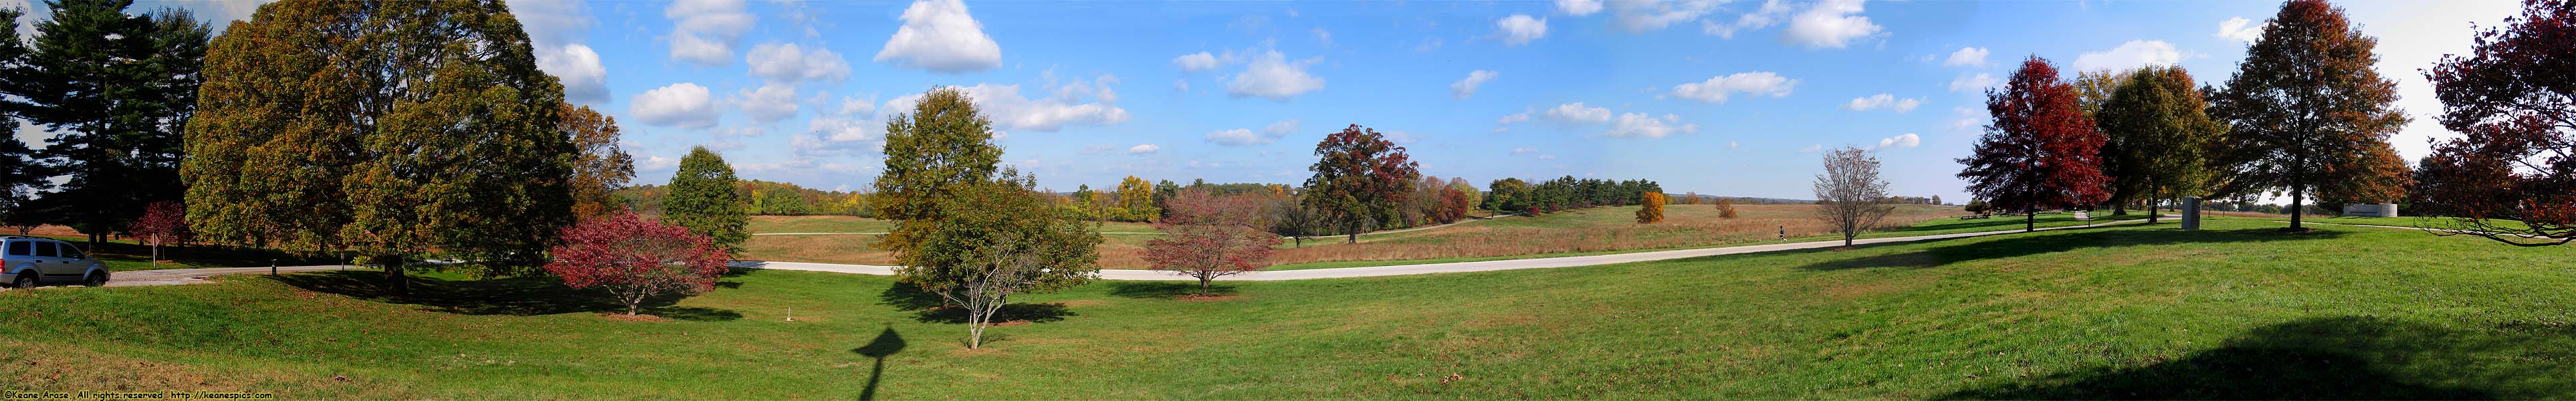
(2235, 311)
(1927, 227)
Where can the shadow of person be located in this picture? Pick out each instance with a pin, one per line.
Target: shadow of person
(887, 343)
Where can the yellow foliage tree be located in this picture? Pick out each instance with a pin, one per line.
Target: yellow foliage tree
(1651, 208)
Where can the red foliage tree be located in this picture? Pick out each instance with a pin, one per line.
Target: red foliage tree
(1360, 177)
(2514, 102)
(1209, 236)
(1453, 206)
(162, 222)
(2041, 152)
(636, 259)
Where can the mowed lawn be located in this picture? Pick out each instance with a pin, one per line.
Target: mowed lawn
(2236, 311)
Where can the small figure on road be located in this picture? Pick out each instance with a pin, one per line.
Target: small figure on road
(1784, 233)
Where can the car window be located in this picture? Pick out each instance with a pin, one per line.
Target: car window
(71, 251)
(22, 248)
(46, 250)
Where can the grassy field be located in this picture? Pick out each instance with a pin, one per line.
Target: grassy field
(853, 224)
(2236, 311)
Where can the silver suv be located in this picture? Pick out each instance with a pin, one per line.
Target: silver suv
(26, 262)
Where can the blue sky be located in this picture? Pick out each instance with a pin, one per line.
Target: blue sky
(1716, 97)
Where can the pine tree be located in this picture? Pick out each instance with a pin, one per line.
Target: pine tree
(703, 199)
(115, 89)
(21, 174)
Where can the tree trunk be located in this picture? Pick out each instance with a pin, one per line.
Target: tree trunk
(2030, 223)
(2298, 193)
(394, 282)
(2152, 214)
(1203, 283)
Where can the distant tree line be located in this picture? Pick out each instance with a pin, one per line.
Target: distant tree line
(762, 198)
(1512, 195)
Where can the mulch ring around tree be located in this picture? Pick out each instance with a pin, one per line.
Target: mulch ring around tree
(1209, 298)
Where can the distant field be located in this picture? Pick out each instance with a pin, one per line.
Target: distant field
(2237, 311)
(853, 224)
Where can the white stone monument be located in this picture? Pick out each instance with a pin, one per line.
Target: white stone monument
(2370, 210)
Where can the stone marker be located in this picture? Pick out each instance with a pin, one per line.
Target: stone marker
(2370, 210)
(2190, 213)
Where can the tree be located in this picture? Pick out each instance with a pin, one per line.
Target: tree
(22, 175)
(1135, 200)
(2308, 114)
(703, 200)
(358, 126)
(1360, 178)
(2516, 161)
(1650, 208)
(163, 222)
(634, 259)
(603, 166)
(1207, 236)
(1726, 208)
(115, 88)
(1977, 206)
(1475, 198)
(992, 239)
(1292, 219)
(1853, 197)
(944, 145)
(1454, 204)
(1163, 192)
(2160, 137)
(2040, 153)
(1508, 195)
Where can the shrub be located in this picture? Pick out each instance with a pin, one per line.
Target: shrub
(635, 259)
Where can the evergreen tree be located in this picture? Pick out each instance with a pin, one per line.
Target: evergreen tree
(942, 147)
(21, 174)
(703, 199)
(115, 89)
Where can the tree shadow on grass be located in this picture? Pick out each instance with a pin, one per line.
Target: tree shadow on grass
(2348, 357)
(1164, 289)
(514, 296)
(928, 307)
(2018, 245)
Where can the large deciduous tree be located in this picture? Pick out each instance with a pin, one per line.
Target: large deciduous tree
(115, 89)
(634, 259)
(1849, 195)
(2308, 114)
(388, 129)
(2040, 152)
(603, 166)
(2160, 137)
(703, 200)
(1135, 200)
(2514, 99)
(1360, 178)
(992, 239)
(944, 145)
(1650, 208)
(1207, 236)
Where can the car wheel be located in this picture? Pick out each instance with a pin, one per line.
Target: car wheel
(26, 279)
(96, 279)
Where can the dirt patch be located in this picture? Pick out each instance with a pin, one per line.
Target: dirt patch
(1014, 323)
(1209, 298)
(632, 318)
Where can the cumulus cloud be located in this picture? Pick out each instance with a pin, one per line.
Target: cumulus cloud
(1272, 76)
(939, 36)
(1651, 15)
(787, 62)
(1245, 137)
(584, 79)
(2241, 29)
(1515, 117)
(704, 31)
(1812, 148)
(1883, 102)
(1578, 7)
(1973, 83)
(1638, 125)
(1900, 141)
(1966, 57)
(1717, 89)
(1830, 24)
(1520, 29)
(767, 104)
(2133, 54)
(1143, 149)
(1201, 61)
(1578, 113)
(684, 105)
(1770, 13)
(1075, 103)
(1467, 87)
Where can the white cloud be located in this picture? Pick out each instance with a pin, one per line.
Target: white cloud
(1812, 148)
(1547, 157)
(767, 104)
(656, 163)
(1245, 137)
(1143, 149)
(940, 36)
(2135, 53)
(1963, 118)
(1650, 15)
(1076, 103)
(1900, 141)
(1181, 85)
(1272, 76)
(1467, 87)
(1730, 144)
(1638, 125)
(1201, 61)
(1967, 57)
(2241, 29)
(684, 105)
(856, 107)
(1515, 117)
(1973, 83)
(1578, 7)
(1323, 36)
(786, 62)
(1524, 150)
(704, 31)
(1883, 102)
(548, 23)
(1717, 89)
(1281, 129)
(1764, 17)
(584, 79)
(1520, 29)
(1577, 112)
(1830, 24)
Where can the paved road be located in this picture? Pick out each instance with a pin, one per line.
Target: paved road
(192, 276)
(1429, 268)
